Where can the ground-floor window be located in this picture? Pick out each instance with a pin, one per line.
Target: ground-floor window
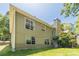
(31, 40)
(28, 41)
(46, 41)
(52, 42)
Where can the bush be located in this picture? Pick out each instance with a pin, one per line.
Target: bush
(66, 40)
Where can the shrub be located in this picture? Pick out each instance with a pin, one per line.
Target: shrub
(66, 40)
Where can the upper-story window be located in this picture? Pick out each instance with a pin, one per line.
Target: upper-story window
(33, 40)
(29, 24)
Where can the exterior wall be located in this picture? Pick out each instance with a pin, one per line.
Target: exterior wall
(11, 16)
(57, 25)
(22, 34)
(77, 40)
(12, 26)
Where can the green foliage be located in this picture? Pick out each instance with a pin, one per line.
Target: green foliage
(4, 27)
(62, 27)
(76, 30)
(66, 40)
(56, 38)
(70, 9)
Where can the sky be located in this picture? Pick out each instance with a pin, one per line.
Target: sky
(44, 11)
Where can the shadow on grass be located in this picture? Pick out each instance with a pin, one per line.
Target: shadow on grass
(7, 51)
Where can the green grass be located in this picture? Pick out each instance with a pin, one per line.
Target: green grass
(41, 52)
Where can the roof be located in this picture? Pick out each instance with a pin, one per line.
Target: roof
(56, 19)
(30, 16)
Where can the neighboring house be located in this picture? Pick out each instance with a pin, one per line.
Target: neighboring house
(57, 26)
(27, 31)
(77, 39)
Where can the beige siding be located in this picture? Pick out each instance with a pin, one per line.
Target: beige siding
(22, 34)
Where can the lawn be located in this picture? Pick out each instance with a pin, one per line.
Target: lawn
(41, 52)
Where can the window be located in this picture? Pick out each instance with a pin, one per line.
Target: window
(47, 41)
(29, 24)
(52, 42)
(32, 41)
(28, 42)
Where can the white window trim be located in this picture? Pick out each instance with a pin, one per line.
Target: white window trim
(30, 24)
(24, 22)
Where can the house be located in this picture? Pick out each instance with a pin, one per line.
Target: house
(27, 31)
(57, 26)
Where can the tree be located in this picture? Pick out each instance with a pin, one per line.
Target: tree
(76, 30)
(67, 40)
(62, 27)
(70, 9)
(4, 26)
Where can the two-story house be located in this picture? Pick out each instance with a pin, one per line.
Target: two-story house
(27, 31)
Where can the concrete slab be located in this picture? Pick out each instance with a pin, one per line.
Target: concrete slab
(3, 46)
